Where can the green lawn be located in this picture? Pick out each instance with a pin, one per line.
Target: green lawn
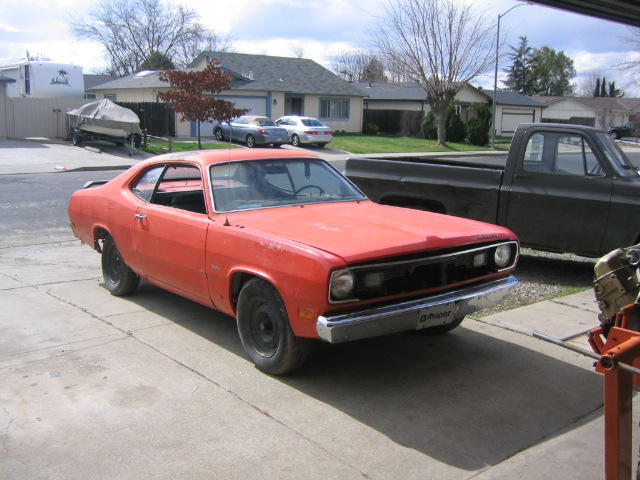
(350, 142)
(158, 147)
(355, 143)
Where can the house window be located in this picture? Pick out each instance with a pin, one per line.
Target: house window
(334, 108)
(110, 96)
(89, 96)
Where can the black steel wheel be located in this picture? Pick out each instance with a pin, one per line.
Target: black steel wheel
(265, 330)
(76, 141)
(118, 277)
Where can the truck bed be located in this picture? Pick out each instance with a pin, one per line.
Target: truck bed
(492, 160)
(465, 186)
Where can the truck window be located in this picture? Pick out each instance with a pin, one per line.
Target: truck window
(560, 153)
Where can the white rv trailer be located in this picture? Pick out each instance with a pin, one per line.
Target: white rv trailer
(43, 79)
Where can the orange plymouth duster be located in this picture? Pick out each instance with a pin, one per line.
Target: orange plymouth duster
(293, 250)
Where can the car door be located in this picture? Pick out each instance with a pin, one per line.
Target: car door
(239, 129)
(560, 194)
(170, 241)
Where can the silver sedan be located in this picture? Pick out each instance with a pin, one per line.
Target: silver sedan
(252, 130)
(306, 130)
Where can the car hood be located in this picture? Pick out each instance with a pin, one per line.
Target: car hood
(360, 231)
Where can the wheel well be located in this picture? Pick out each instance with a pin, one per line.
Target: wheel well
(238, 281)
(100, 234)
(415, 203)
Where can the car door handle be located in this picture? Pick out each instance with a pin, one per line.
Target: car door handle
(519, 176)
(140, 216)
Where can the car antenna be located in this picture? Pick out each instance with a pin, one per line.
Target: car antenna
(226, 210)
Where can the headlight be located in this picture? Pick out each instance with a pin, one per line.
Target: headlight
(341, 285)
(502, 256)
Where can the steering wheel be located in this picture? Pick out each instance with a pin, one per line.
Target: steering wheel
(309, 186)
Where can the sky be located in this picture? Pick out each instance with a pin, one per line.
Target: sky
(322, 28)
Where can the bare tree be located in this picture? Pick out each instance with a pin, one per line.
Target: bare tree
(440, 44)
(299, 51)
(351, 65)
(587, 84)
(132, 30)
(633, 61)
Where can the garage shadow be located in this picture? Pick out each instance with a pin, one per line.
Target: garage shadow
(467, 399)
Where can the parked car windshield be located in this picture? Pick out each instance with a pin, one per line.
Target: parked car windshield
(617, 158)
(246, 185)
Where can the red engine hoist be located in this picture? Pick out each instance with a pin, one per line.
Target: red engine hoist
(616, 347)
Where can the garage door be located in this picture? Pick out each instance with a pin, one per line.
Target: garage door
(512, 117)
(256, 106)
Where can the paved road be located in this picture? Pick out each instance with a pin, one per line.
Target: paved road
(155, 386)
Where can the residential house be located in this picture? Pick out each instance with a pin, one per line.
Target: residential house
(511, 108)
(600, 112)
(91, 80)
(267, 85)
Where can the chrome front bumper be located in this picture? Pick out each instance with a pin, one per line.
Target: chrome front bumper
(405, 316)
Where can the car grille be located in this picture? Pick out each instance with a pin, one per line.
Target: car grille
(402, 275)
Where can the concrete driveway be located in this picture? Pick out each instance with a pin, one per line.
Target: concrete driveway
(155, 386)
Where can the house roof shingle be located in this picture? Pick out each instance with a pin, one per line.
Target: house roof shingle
(630, 105)
(392, 91)
(258, 73)
(505, 97)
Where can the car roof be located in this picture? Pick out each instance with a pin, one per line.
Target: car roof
(209, 157)
(297, 117)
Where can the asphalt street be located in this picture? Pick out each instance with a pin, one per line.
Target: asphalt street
(154, 386)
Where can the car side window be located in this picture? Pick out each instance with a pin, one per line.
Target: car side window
(175, 186)
(560, 153)
(146, 184)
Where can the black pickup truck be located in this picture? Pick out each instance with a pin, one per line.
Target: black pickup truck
(561, 188)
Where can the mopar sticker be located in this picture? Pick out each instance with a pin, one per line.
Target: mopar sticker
(437, 315)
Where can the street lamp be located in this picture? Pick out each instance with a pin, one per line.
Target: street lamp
(495, 78)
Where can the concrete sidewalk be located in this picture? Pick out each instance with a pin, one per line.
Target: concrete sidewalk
(154, 386)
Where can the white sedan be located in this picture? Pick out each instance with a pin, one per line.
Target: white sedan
(306, 130)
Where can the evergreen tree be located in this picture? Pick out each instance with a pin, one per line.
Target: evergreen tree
(613, 91)
(603, 87)
(519, 73)
(596, 92)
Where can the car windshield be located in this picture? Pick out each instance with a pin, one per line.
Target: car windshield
(617, 158)
(248, 185)
(311, 122)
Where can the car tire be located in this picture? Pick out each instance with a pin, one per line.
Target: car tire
(251, 142)
(119, 279)
(218, 134)
(320, 145)
(440, 329)
(615, 135)
(277, 145)
(265, 330)
(295, 140)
